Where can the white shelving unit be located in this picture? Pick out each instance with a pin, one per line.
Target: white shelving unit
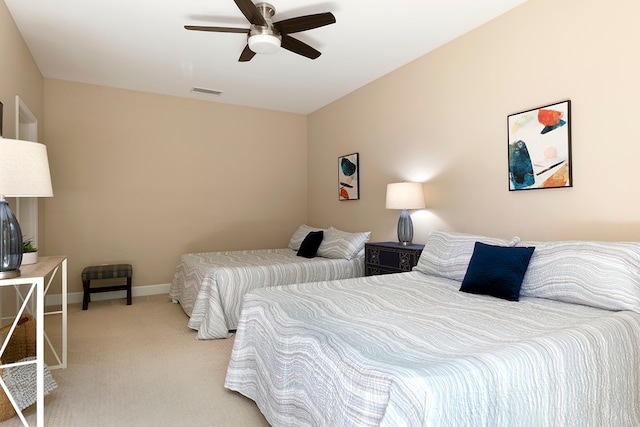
(32, 279)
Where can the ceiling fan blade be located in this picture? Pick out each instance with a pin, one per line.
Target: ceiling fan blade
(217, 29)
(251, 12)
(246, 55)
(296, 46)
(303, 23)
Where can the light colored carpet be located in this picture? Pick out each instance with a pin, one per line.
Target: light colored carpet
(140, 365)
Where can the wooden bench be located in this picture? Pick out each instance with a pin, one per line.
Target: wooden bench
(107, 271)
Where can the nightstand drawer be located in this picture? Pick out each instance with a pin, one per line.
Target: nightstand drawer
(390, 257)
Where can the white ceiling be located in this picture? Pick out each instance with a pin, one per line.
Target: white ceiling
(142, 45)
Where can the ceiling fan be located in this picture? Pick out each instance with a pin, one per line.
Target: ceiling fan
(266, 36)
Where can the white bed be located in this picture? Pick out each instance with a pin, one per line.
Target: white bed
(210, 286)
(410, 349)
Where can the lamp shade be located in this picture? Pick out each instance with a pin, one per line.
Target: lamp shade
(405, 195)
(24, 172)
(24, 169)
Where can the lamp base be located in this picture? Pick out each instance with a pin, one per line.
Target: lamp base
(9, 274)
(10, 242)
(405, 228)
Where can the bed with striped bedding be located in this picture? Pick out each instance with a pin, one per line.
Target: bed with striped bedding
(210, 286)
(410, 349)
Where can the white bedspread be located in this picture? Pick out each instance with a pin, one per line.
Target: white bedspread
(210, 286)
(411, 350)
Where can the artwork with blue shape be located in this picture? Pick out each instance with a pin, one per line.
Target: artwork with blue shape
(348, 182)
(539, 147)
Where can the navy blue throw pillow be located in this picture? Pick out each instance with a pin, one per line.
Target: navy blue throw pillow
(497, 271)
(310, 244)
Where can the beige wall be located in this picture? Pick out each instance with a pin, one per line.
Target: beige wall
(143, 178)
(19, 74)
(442, 120)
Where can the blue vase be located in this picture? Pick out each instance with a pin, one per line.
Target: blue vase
(10, 242)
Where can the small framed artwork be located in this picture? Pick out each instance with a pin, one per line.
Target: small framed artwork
(0, 119)
(540, 148)
(348, 177)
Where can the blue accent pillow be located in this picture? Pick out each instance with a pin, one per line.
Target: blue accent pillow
(310, 244)
(497, 270)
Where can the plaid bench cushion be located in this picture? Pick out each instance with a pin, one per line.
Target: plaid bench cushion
(111, 271)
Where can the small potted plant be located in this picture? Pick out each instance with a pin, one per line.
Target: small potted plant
(29, 252)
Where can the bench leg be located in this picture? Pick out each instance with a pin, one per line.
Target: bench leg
(86, 297)
(128, 290)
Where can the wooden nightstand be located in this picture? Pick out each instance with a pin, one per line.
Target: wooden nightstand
(390, 257)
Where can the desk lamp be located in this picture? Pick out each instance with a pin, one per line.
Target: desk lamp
(405, 195)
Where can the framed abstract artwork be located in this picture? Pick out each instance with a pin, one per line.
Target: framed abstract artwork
(348, 177)
(540, 148)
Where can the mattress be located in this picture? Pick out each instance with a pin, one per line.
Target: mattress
(210, 286)
(411, 350)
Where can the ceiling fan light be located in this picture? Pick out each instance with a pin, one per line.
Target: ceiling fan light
(264, 43)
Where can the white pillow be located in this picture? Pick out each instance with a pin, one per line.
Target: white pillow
(447, 253)
(598, 274)
(339, 244)
(300, 234)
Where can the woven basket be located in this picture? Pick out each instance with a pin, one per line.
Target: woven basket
(21, 344)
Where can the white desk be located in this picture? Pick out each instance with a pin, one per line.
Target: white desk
(34, 276)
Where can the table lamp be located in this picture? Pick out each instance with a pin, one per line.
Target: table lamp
(405, 195)
(24, 172)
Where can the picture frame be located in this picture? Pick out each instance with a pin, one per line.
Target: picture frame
(539, 148)
(349, 177)
(0, 119)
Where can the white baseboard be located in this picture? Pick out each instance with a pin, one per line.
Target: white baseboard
(136, 291)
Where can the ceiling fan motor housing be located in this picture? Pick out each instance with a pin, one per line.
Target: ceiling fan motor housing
(265, 39)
